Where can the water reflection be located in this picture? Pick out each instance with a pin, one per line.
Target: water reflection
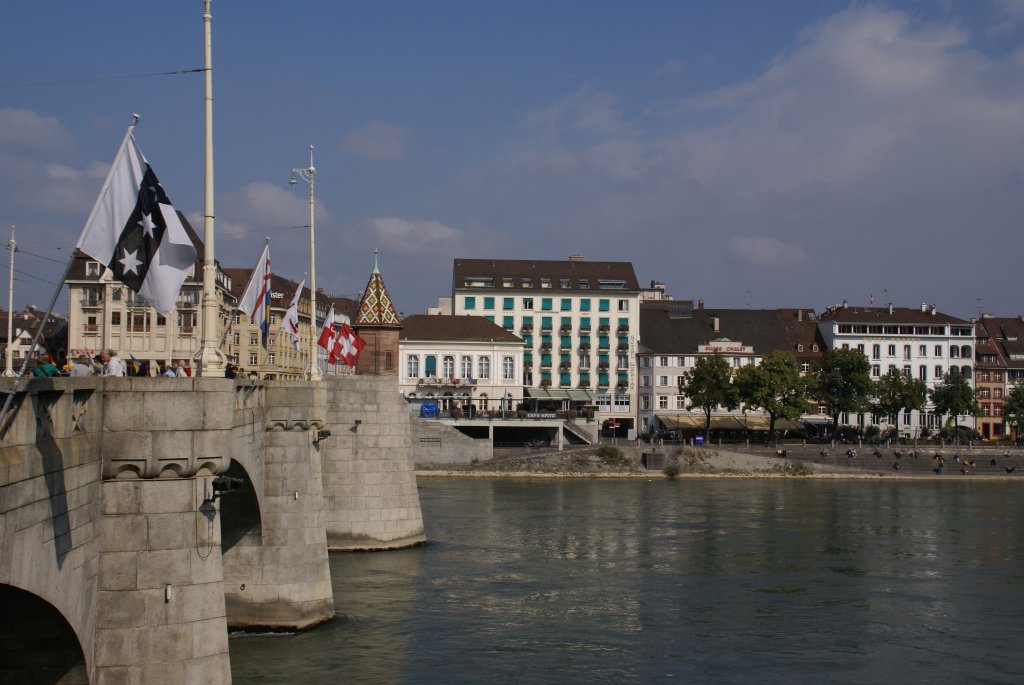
(691, 581)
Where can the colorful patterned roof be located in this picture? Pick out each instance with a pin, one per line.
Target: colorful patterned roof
(376, 309)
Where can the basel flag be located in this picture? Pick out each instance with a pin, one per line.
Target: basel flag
(135, 232)
(256, 299)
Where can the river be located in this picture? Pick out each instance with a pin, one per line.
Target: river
(691, 581)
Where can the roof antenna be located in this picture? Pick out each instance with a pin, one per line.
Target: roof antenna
(748, 299)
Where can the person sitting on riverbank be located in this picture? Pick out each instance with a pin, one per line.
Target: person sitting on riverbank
(1011, 469)
(895, 466)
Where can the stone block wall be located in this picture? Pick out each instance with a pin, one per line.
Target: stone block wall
(277, 573)
(369, 481)
(434, 442)
(160, 606)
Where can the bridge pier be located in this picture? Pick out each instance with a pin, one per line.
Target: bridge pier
(276, 574)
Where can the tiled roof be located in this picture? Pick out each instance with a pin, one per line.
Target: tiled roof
(422, 327)
(375, 308)
(668, 328)
(881, 315)
(488, 273)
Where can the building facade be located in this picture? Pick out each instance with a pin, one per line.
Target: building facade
(578, 321)
(922, 343)
(676, 334)
(460, 361)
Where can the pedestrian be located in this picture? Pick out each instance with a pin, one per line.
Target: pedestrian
(82, 367)
(45, 368)
(230, 371)
(183, 370)
(112, 365)
(168, 372)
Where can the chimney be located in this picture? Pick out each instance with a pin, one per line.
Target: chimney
(890, 309)
(575, 258)
(799, 315)
(715, 323)
(931, 310)
(845, 304)
(924, 308)
(700, 305)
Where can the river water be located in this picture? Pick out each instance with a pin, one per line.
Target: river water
(690, 581)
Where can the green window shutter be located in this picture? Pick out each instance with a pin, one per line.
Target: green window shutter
(490, 318)
(603, 305)
(545, 304)
(584, 305)
(566, 304)
(469, 303)
(508, 322)
(508, 303)
(545, 323)
(488, 303)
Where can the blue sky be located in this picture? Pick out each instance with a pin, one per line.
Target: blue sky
(770, 154)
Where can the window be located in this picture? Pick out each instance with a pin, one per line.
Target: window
(938, 371)
(508, 368)
(412, 366)
(906, 352)
(662, 361)
(469, 303)
(235, 317)
(922, 372)
(997, 394)
(876, 351)
(449, 366)
(662, 401)
(545, 283)
(645, 362)
(566, 304)
(622, 402)
(906, 370)
(506, 282)
(805, 366)
(234, 339)
(584, 284)
(253, 339)
(252, 359)
(860, 348)
(800, 347)
(645, 381)
(584, 362)
(680, 402)
(273, 319)
(271, 358)
(545, 304)
(92, 269)
(922, 350)
(876, 370)
(430, 366)
(563, 283)
(623, 305)
(645, 402)
(115, 318)
(508, 322)
(680, 361)
(663, 381)
(938, 350)
(603, 305)
(466, 367)
(906, 418)
(892, 350)
(527, 282)
(527, 303)
(508, 303)
(623, 361)
(954, 352)
(483, 367)
(679, 381)
(488, 303)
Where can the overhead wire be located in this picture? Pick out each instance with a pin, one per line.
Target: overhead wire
(100, 78)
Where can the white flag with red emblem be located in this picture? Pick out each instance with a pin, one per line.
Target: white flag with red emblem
(290, 323)
(326, 339)
(347, 346)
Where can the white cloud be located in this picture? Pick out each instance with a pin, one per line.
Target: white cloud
(582, 110)
(378, 141)
(764, 251)
(229, 228)
(669, 68)
(24, 128)
(415, 236)
(263, 204)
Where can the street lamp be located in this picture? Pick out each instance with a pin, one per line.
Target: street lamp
(12, 246)
(308, 175)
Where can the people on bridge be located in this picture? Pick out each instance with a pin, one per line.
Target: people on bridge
(82, 367)
(112, 365)
(45, 368)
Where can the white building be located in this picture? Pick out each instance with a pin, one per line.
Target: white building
(921, 343)
(578, 320)
(460, 361)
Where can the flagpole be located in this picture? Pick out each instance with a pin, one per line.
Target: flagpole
(309, 175)
(211, 358)
(64, 277)
(12, 246)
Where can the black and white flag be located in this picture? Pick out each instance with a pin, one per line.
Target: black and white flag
(136, 233)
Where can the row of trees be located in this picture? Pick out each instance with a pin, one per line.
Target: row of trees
(842, 381)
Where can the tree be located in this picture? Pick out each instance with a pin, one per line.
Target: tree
(895, 392)
(707, 385)
(774, 386)
(1013, 408)
(843, 382)
(954, 396)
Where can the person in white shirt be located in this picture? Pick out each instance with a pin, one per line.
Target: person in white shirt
(182, 373)
(112, 365)
(82, 367)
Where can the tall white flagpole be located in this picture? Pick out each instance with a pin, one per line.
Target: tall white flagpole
(211, 358)
(9, 361)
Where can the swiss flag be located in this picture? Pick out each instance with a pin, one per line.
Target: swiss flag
(326, 339)
(347, 346)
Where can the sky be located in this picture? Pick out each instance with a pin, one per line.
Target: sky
(753, 154)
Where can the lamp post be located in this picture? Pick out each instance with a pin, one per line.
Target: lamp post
(9, 362)
(309, 175)
(211, 359)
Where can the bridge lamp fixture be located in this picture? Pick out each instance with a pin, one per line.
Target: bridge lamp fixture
(320, 436)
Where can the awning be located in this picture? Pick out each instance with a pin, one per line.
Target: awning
(730, 423)
(757, 423)
(538, 393)
(817, 420)
(788, 425)
(683, 422)
(581, 396)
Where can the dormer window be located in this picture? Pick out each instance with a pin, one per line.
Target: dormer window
(800, 347)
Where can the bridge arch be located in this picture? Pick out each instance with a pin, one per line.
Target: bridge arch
(37, 643)
(241, 519)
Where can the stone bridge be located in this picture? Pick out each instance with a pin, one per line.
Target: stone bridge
(119, 560)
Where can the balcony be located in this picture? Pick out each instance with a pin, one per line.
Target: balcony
(622, 347)
(565, 347)
(545, 347)
(602, 367)
(623, 328)
(92, 303)
(565, 365)
(585, 329)
(545, 383)
(566, 329)
(528, 365)
(91, 327)
(527, 328)
(583, 384)
(603, 329)
(622, 385)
